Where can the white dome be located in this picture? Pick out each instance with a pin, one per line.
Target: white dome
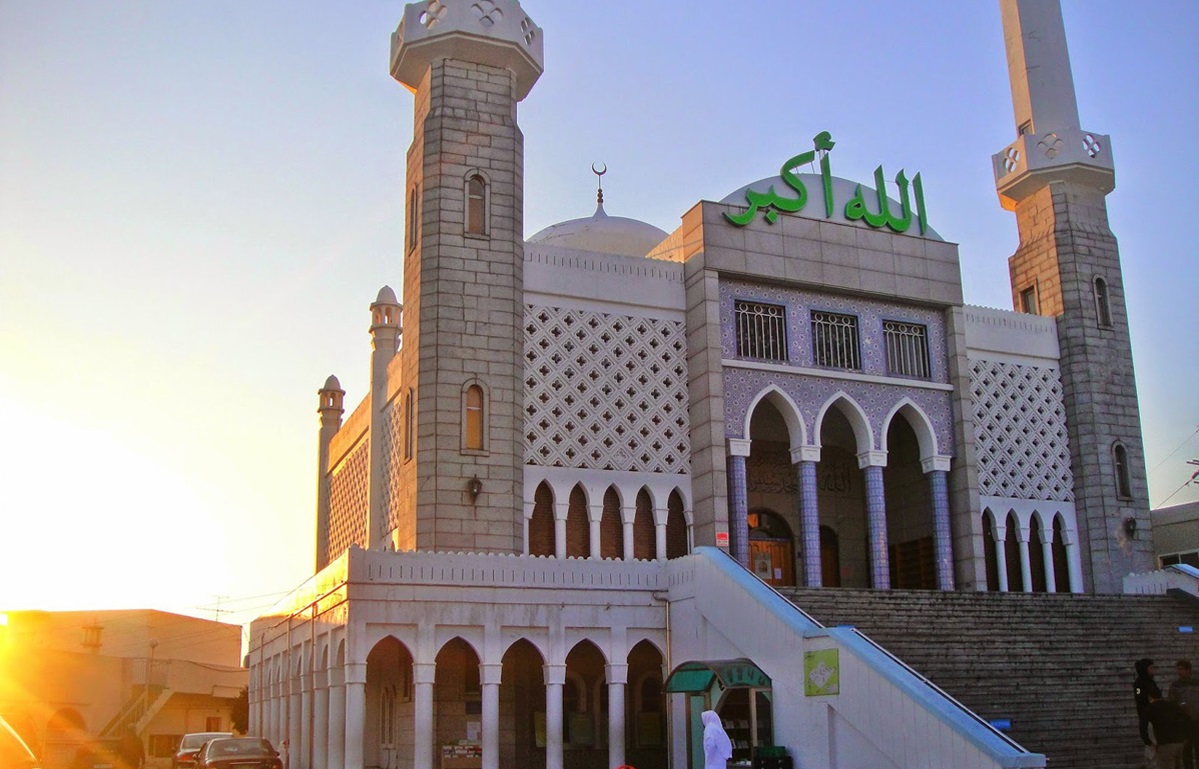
(603, 233)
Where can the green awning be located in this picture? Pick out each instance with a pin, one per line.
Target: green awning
(698, 676)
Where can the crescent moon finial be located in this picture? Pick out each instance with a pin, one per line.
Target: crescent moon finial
(599, 169)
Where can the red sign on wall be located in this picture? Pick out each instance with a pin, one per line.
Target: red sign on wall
(722, 539)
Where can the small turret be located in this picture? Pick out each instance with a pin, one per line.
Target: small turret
(331, 408)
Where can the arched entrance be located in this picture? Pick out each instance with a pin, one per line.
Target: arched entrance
(522, 707)
(645, 709)
(771, 548)
(387, 733)
(909, 511)
(841, 500)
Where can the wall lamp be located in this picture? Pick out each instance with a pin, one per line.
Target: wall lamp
(1130, 527)
(474, 487)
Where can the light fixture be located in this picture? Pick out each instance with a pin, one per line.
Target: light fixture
(474, 487)
(1130, 527)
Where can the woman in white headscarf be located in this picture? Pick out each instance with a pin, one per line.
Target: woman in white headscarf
(718, 749)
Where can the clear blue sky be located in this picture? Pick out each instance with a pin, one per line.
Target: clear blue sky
(199, 200)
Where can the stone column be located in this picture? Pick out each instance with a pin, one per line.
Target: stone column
(809, 514)
(627, 514)
(561, 510)
(738, 501)
(661, 514)
(295, 739)
(320, 721)
(355, 690)
(555, 677)
(594, 514)
(489, 675)
(1025, 559)
(303, 751)
(423, 674)
(1047, 559)
(872, 463)
(937, 470)
(336, 749)
(617, 677)
(999, 534)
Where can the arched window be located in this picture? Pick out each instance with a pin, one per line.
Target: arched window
(476, 205)
(473, 419)
(645, 546)
(676, 527)
(578, 525)
(413, 215)
(409, 424)
(1120, 465)
(1103, 307)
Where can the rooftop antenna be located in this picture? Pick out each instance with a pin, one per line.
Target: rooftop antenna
(599, 169)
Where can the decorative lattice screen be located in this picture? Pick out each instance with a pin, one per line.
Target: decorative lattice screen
(1020, 431)
(605, 392)
(348, 492)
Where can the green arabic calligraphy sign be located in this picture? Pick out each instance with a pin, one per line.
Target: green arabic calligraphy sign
(771, 202)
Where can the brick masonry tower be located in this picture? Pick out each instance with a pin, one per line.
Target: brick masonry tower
(1055, 177)
(468, 63)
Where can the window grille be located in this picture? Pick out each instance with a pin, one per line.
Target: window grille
(761, 330)
(835, 340)
(907, 349)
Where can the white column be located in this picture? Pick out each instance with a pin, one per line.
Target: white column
(1074, 563)
(1025, 559)
(555, 677)
(320, 721)
(999, 535)
(303, 751)
(489, 675)
(594, 514)
(617, 677)
(355, 689)
(422, 679)
(561, 509)
(295, 741)
(627, 514)
(1047, 559)
(335, 754)
(660, 517)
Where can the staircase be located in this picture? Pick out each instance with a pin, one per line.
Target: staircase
(1058, 666)
(137, 712)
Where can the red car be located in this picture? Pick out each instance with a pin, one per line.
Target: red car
(238, 753)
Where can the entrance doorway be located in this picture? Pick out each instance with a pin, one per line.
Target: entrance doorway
(771, 548)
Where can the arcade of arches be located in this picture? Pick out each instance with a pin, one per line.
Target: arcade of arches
(871, 519)
(606, 528)
(581, 710)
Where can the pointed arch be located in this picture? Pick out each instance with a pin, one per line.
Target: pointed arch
(796, 429)
(541, 521)
(644, 534)
(676, 526)
(926, 436)
(853, 413)
(578, 524)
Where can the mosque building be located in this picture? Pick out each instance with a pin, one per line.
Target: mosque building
(548, 535)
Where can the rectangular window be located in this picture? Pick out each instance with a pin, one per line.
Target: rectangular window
(761, 330)
(212, 724)
(835, 340)
(907, 349)
(1028, 301)
(409, 424)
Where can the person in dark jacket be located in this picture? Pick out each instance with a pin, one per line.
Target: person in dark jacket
(1142, 687)
(1185, 693)
(1171, 727)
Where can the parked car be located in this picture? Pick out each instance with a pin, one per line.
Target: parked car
(99, 754)
(189, 746)
(239, 752)
(14, 753)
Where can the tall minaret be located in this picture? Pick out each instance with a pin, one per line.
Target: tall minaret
(468, 64)
(1055, 176)
(330, 408)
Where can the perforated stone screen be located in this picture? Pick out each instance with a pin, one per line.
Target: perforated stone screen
(347, 500)
(1020, 431)
(605, 392)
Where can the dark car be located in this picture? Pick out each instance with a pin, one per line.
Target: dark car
(189, 746)
(14, 752)
(99, 754)
(238, 753)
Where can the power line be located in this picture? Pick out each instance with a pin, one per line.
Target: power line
(1175, 451)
